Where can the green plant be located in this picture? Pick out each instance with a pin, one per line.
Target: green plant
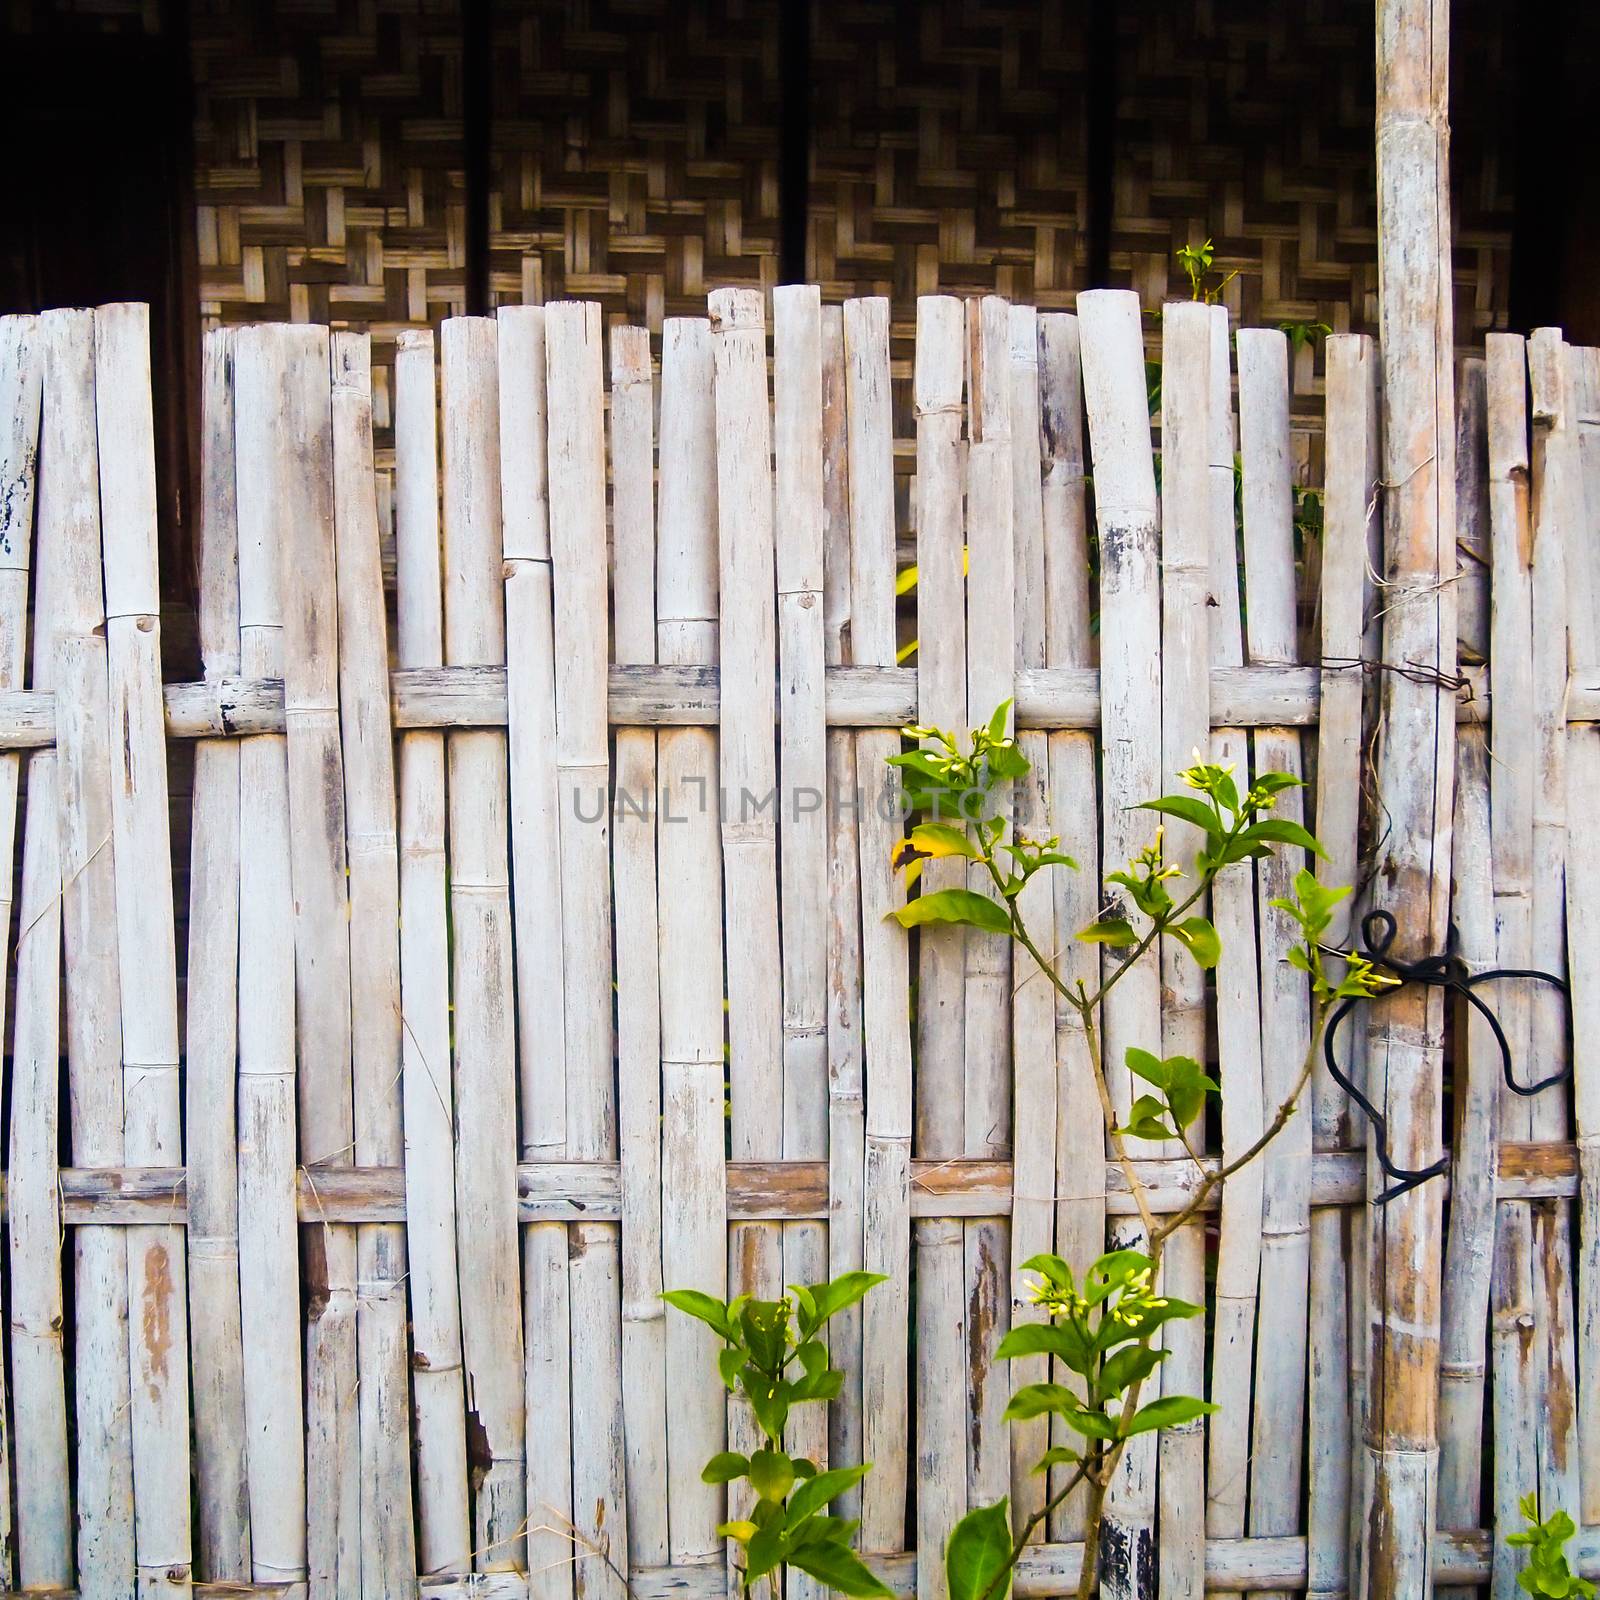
(1302, 334)
(1196, 262)
(788, 1523)
(1101, 1324)
(1547, 1571)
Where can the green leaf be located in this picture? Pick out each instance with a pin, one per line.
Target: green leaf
(743, 1532)
(1144, 1120)
(997, 723)
(1274, 783)
(1280, 830)
(1170, 1411)
(815, 1493)
(1149, 1067)
(730, 1358)
(830, 1298)
(1063, 1340)
(978, 1557)
(840, 1568)
(960, 906)
(724, 1467)
(769, 1401)
(704, 1307)
(1035, 1399)
(1114, 1270)
(1114, 931)
(1187, 809)
(1128, 1366)
(771, 1474)
(936, 840)
(1058, 1455)
(1200, 939)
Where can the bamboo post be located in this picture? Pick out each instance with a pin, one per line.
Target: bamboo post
(802, 752)
(575, 363)
(636, 911)
(884, 954)
(269, 1241)
(1278, 1438)
(1130, 696)
(427, 1090)
(482, 985)
(1238, 981)
(21, 361)
(1415, 769)
(939, 1128)
(76, 610)
(1080, 1167)
(1511, 801)
(1186, 395)
(846, 1102)
(210, 1113)
(1349, 523)
(536, 910)
(388, 1537)
(694, 1234)
(991, 680)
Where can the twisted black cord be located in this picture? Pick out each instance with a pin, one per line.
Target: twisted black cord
(1448, 972)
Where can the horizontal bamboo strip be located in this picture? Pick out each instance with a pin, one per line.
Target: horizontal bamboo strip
(1461, 1556)
(590, 1191)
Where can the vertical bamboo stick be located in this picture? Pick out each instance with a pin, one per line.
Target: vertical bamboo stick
(694, 1236)
(76, 610)
(388, 1538)
(991, 680)
(884, 958)
(644, 1351)
(1080, 1168)
(803, 844)
(21, 359)
(1278, 1437)
(1238, 983)
(1130, 702)
(1469, 1244)
(269, 1284)
(322, 951)
(152, 1127)
(210, 1113)
(846, 1103)
(578, 549)
(482, 984)
(536, 910)
(1186, 395)
(1350, 514)
(940, 1125)
(1562, 632)
(427, 1090)
(1416, 763)
(1511, 800)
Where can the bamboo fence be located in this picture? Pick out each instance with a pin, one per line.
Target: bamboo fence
(537, 956)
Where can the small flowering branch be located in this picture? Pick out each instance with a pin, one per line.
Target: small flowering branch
(1100, 1325)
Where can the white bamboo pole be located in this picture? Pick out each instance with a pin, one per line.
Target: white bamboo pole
(1130, 691)
(846, 1102)
(635, 907)
(21, 360)
(1033, 1000)
(1415, 768)
(886, 1245)
(322, 948)
(1278, 1434)
(1511, 800)
(575, 365)
(1238, 982)
(211, 1106)
(482, 983)
(1186, 397)
(69, 495)
(388, 1537)
(269, 1280)
(803, 844)
(991, 679)
(438, 1387)
(1080, 1212)
(1562, 631)
(694, 1207)
(536, 910)
(940, 1123)
(1349, 520)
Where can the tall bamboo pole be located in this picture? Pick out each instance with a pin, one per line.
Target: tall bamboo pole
(1414, 780)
